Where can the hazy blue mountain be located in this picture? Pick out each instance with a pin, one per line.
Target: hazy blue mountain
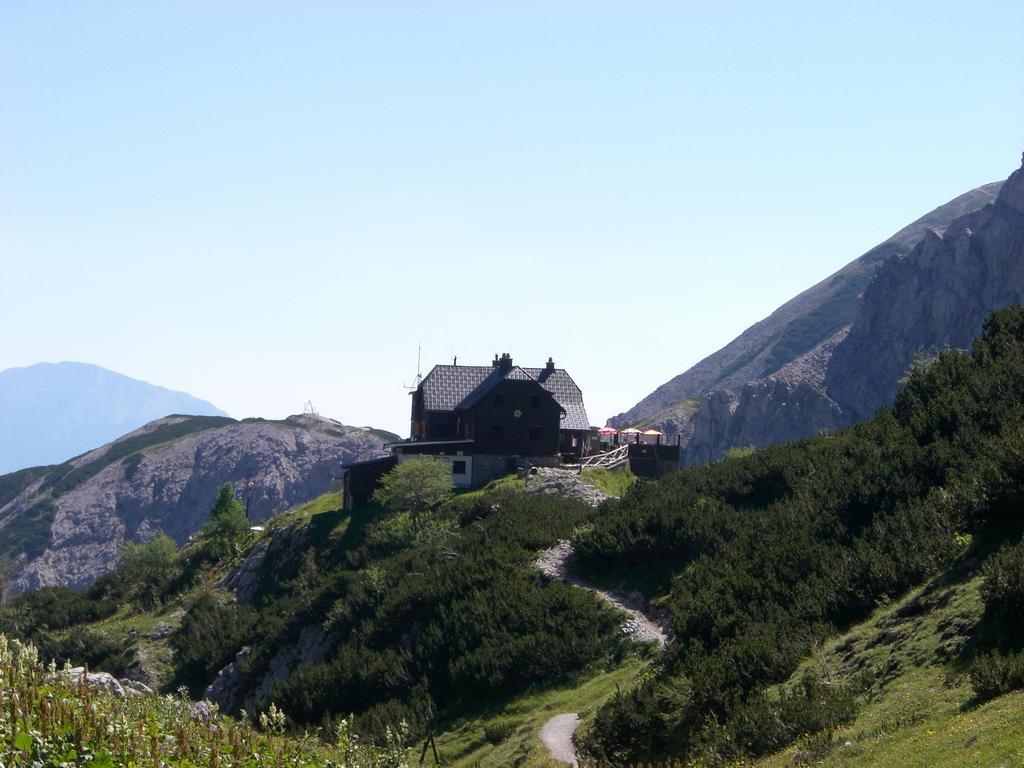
(50, 412)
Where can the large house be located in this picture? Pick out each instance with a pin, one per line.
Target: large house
(485, 421)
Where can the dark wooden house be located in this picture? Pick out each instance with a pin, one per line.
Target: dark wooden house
(486, 420)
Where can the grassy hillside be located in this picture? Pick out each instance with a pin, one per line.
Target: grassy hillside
(422, 626)
(855, 598)
(917, 705)
(768, 555)
(506, 732)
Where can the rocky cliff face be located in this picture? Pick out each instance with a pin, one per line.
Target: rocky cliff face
(929, 286)
(937, 296)
(164, 477)
(786, 406)
(790, 332)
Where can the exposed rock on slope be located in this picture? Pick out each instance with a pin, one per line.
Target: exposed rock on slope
(50, 412)
(937, 296)
(67, 525)
(835, 353)
(792, 330)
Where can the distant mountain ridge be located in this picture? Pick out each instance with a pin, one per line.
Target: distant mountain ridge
(66, 524)
(836, 352)
(50, 412)
(794, 329)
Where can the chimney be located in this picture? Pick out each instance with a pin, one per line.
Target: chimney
(495, 362)
(550, 367)
(505, 363)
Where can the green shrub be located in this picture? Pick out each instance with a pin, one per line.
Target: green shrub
(227, 525)
(1003, 590)
(210, 635)
(148, 568)
(995, 673)
(495, 733)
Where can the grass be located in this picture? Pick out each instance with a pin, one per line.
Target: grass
(613, 482)
(154, 655)
(919, 708)
(464, 740)
(328, 502)
(52, 719)
(508, 482)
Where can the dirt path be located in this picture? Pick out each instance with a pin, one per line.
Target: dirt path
(557, 736)
(640, 627)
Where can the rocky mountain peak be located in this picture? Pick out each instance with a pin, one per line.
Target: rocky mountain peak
(68, 524)
(835, 353)
(1012, 193)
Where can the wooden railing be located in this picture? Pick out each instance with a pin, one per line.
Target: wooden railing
(607, 460)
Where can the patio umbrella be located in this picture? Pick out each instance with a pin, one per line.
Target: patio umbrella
(653, 432)
(607, 431)
(630, 431)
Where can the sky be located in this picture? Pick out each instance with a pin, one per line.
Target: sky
(265, 204)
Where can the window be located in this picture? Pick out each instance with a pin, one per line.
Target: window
(458, 467)
(496, 432)
(536, 434)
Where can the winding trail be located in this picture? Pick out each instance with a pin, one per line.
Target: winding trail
(557, 736)
(640, 627)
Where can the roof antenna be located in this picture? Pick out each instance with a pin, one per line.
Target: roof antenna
(419, 374)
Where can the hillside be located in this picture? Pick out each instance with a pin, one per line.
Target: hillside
(50, 412)
(762, 559)
(768, 385)
(860, 587)
(66, 524)
(918, 708)
(329, 613)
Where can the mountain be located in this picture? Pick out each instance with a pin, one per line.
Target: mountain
(833, 354)
(66, 524)
(852, 598)
(50, 412)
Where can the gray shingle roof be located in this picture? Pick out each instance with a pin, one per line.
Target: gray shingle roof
(560, 384)
(448, 387)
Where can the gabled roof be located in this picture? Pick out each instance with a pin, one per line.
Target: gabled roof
(450, 387)
(515, 373)
(560, 384)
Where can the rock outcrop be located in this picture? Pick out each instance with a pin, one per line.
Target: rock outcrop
(794, 329)
(928, 287)
(284, 544)
(164, 477)
(937, 296)
(562, 482)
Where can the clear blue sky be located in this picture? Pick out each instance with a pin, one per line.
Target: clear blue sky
(268, 203)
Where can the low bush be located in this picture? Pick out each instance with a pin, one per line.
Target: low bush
(210, 635)
(1003, 590)
(995, 673)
